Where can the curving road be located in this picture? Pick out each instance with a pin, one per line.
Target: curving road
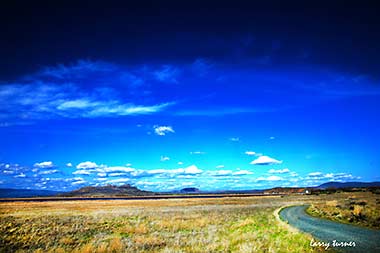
(366, 240)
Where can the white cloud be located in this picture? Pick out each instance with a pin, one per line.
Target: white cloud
(341, 176)
(76, 104)
(21, 175)
(48, 172)
(69, 165)
(102, 174)
(162, 130)
(222, 173)
(118, 169)
(164, 158)
(270, 178)
(8, 171)
(180, 163)
(119, 180)
(234, 139)
(197, 153)
(82, 172)
(44, 165)
(62, 95)
(192, 169)
(158, 171)
(250, 153)
(220, 166)
(101, 179)
(74, 179)
(280, 171)
(187, 183)
(87, 165)
(108, 109)
(78, 182)
(242, 172)
(117, 174)
(315, 174)
(265, 160)
(272, 138)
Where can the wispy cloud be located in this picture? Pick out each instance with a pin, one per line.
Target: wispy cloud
(217, 112)
(82, 172)
(118, 181)
(79, 182)
(91, 173)
(280, 171)
(201, 66)
(48, 172)
(73, 91)
(163, 130)
(229, 173)
(270, 178)
(164, 158)
(221, 173)
(21, 175)
(315, 174)
(87, 165)
(167, 73)
(44, 165)
(319, 176)
(117, 169)
(197, 153)
(242, 172)
(77, 70)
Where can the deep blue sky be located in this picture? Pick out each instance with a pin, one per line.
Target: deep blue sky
(164, 96)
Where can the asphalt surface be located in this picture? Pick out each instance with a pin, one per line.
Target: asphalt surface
(366, 240)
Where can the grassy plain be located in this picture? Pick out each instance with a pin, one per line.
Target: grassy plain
(359, 208)
(231, 224)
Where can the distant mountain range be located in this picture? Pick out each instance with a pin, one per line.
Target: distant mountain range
(108, 190)
(128, 190)
(26, 193)
(189, 190)
(348, 185)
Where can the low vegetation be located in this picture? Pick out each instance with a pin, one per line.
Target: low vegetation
(176, 225)
(359, 208)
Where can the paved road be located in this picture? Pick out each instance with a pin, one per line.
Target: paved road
(366, 240)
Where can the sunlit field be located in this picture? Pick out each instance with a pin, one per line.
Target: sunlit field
(359, 208)
(176, 225)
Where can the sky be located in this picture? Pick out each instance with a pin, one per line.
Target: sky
(166, 95)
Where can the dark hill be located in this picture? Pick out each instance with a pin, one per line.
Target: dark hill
(348, 185)
(288, 190)
(190, 190)
(26, 193)
(108, 190)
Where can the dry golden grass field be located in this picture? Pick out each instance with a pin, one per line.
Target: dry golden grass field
(359, 208)
(234, 224)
